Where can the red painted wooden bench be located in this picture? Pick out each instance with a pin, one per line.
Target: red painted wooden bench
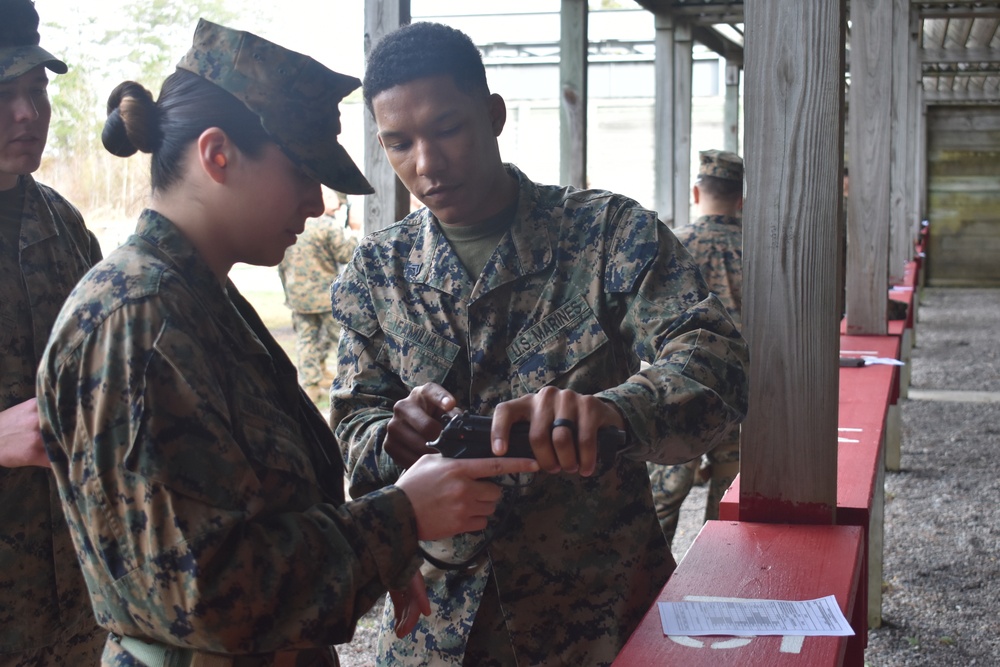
(759, 561)
(868, 423)
(896, 328)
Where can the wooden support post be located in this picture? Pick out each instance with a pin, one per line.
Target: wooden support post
(573, 43)
(868, 204)
(391, 201)
(731, 112)
(683, 63)
(900, 227)
(913, 83)
(794, 159)
(921, 158)
(663, 121)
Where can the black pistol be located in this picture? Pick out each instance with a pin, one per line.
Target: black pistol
(467, 436)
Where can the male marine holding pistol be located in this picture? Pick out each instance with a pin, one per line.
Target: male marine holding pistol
(531, 303)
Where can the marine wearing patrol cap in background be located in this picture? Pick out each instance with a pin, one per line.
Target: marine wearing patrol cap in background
(720, 164)
(294, 96)
(715, 241)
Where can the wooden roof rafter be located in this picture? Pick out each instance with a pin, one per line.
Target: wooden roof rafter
(706, 18)
(959, 41)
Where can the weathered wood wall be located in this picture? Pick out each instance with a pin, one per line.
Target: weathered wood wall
(963, 185)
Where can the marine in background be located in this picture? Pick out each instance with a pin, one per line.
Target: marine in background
(307, 271)
(715, 241)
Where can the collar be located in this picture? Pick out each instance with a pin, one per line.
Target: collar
(36, 210)
(729, 220)
(174, 248)
(526, 248)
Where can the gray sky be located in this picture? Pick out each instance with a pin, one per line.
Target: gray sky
(331, 31)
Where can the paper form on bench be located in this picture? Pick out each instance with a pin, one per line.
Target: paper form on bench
(746, 618)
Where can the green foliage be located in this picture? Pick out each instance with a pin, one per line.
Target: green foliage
(157, 32)
(74, 123)
(142, 42)
(598, 5)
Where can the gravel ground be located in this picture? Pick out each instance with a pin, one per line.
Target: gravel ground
(941, 603)
(941, 558)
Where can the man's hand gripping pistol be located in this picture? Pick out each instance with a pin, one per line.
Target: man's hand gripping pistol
(467, 436)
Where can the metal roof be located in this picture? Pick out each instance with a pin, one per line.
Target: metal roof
(959, 43)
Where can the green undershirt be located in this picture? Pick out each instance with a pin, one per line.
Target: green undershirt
(475, 244)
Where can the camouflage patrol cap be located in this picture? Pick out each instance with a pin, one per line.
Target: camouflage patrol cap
(294, 96)
(721, 164)
(19, 50)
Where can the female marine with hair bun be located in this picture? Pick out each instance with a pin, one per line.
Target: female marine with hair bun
(203, 490)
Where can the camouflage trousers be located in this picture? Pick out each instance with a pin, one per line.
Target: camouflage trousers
(80, 650)
(316, 335)
(671, 484)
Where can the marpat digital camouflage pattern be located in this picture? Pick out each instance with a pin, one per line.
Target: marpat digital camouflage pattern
(720, 164)
(45, 616)
(716, 244)
(295, 97)
(307, 271)
(585, 285)
(18, 60)
(192, 473)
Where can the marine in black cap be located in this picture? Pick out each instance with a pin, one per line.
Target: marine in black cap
(45, 616)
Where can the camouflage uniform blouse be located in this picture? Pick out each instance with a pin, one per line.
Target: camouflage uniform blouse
(191, 476)
(584, 286)
(716, 244)
(42, 595)
(313, 263)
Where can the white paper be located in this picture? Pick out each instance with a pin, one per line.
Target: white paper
(883, 361)
(748, 618)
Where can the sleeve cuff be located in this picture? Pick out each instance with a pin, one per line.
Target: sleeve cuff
(387, 528)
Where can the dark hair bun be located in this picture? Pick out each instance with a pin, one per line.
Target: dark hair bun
(133, 121)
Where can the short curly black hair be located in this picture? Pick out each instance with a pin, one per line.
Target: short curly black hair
(20, 24)
(420, 50)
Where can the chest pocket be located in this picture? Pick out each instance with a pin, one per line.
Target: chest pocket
(419, 356)
(272, 438)
(552, 348)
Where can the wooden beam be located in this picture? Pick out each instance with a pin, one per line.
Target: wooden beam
(900, 244)
(960, 13)
(957, 56)
(868, 204)
(793, 92)
(967, 97)
(719, 43)
(663, 120)
(573, 93)
(683, 64)
(391, 201)
(921, 157)
(914, 84)
(731, 111)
